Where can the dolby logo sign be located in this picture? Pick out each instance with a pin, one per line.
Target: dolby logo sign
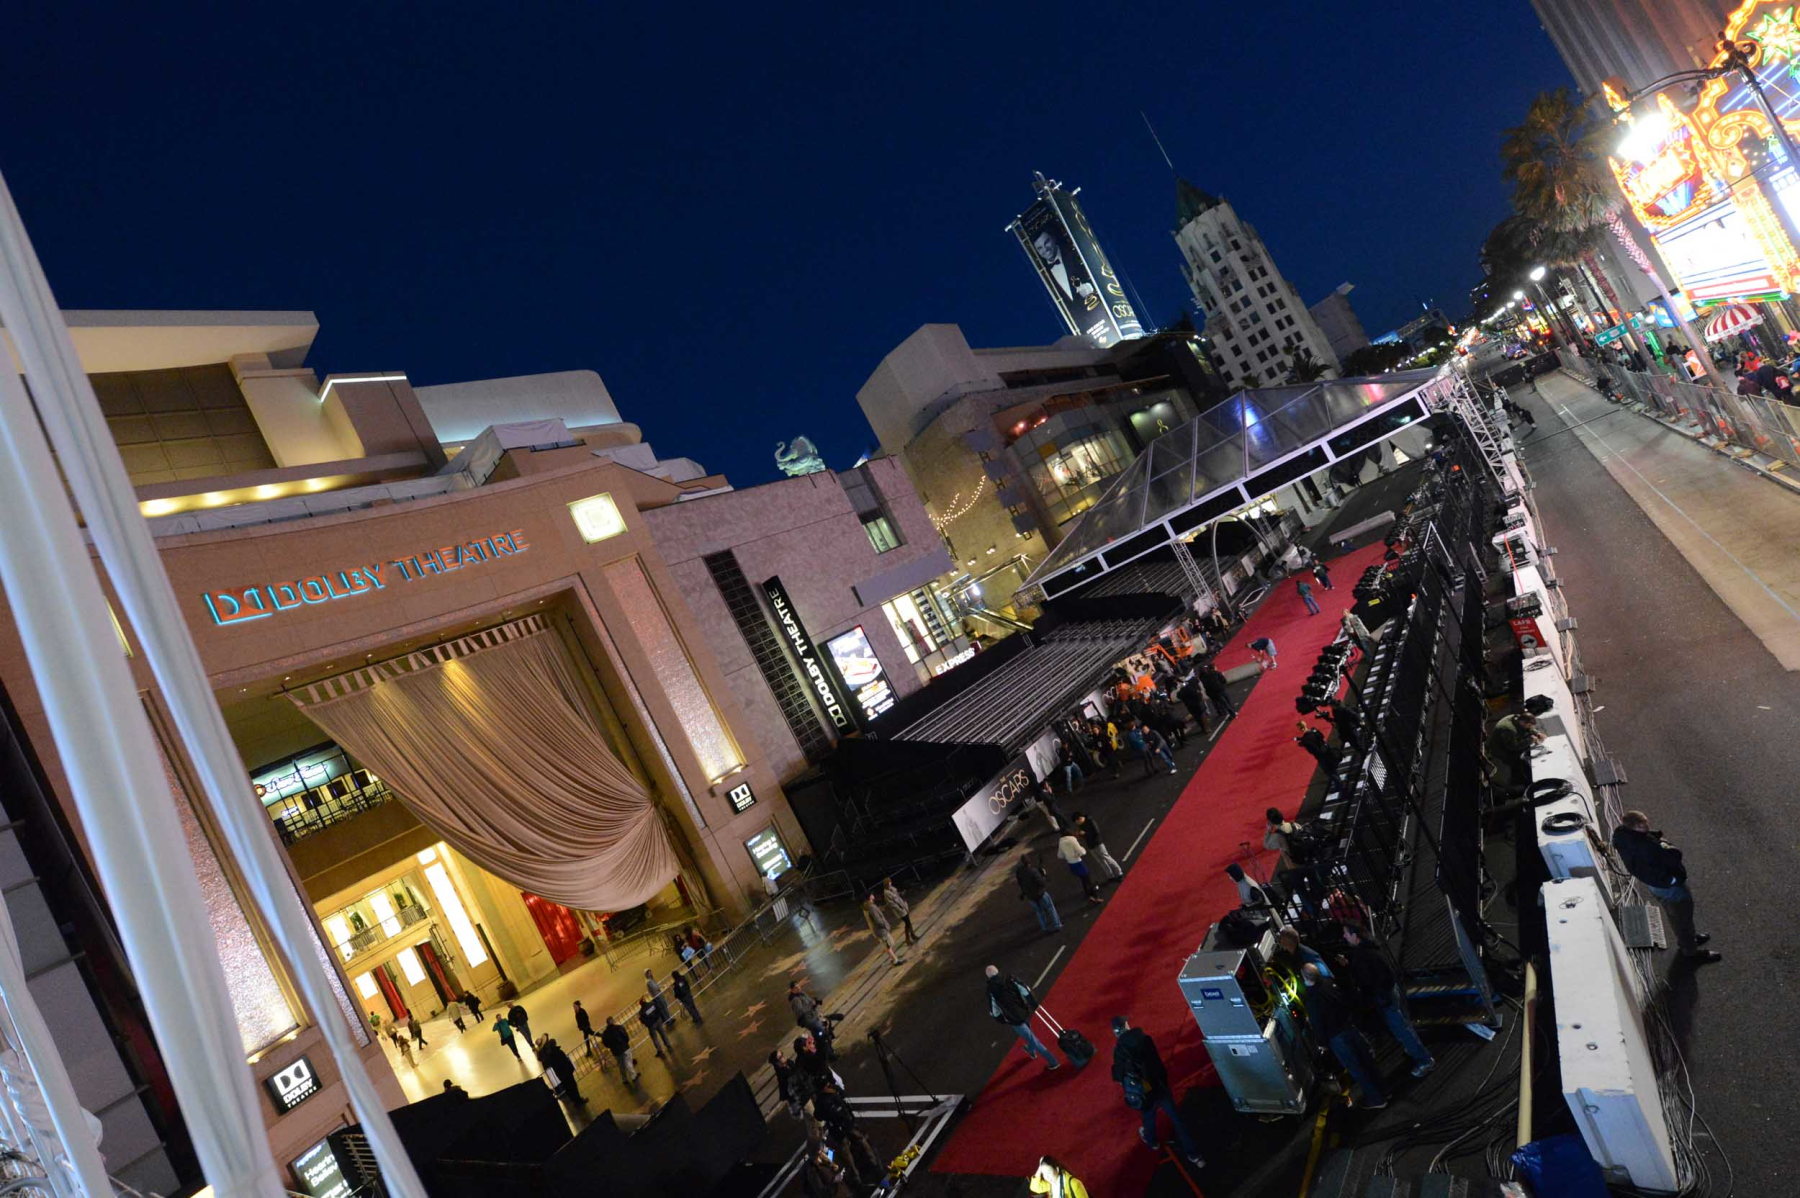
(292, 1086)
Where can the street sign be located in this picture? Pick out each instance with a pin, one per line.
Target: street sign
(1608, 336)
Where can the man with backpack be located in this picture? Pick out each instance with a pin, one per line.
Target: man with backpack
(1034, 888)
(1011, 1002)
(1139, 1070)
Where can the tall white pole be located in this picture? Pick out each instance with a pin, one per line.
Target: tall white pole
(96, 475)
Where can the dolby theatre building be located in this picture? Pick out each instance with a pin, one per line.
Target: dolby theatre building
(507, 684)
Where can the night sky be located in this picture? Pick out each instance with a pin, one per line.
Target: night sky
(732, 213)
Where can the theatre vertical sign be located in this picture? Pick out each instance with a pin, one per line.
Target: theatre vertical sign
(821, 679)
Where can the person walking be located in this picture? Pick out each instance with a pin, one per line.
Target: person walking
(1313, 741)
(1070, 851)
(1096, 847)
(405, 1047)
(418, 1032)
(805, 1008)
(1217, 689)
(656, 995)
(455, 1011)
(1658, 865)
(684, 994)
(656, 1023)
(519, 1021)
(1305, 590)
(1192, 697)
(878, 924)
(559, 1070)
(508, 1038)
(1140, 1072)
(584, 1025)
(1262, 651)
(898, 909)
(618, 1042)
(1323, 574)
(471, 1001)
(1011, 1002)
(1367, 966)
(1332, 1024)
(1034, 888)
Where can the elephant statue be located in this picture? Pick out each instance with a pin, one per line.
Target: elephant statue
(799, 457)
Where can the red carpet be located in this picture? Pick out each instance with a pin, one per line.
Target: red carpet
(1172, 892)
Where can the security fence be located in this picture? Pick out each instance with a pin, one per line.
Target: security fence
(1758, 423)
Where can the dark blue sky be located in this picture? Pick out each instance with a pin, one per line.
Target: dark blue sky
(733, 212)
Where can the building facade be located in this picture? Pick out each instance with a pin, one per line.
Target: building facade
(1337, 320)
(329, 536)
(1255, 319)
(1007, 447)
(1639, 41)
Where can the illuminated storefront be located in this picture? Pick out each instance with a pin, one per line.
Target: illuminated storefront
(1715, 185)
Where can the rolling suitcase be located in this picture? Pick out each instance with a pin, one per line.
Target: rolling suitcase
(1077, 1047)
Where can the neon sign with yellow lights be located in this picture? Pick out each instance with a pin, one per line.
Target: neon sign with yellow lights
(265, 600)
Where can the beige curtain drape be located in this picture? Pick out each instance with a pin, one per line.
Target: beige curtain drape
(489, 741)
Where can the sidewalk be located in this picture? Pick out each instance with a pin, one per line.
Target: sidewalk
(1739, 532)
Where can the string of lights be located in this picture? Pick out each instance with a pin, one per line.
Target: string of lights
(958, 510)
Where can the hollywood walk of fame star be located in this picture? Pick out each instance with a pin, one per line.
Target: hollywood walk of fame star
(749, 1029)
(749, 1011)
(696, 1079)
(700, 1057)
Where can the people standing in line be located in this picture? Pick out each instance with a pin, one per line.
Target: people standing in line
(1217, 689)
(1323, 574)
(508, 1038)
(1332, 1024)
(1065, 762)
(684, 994)
(1139, 1070)
(1034, 888)
(898, 908)
(1011, 1002)
(618, 1042)
(454, 1009)
(1313, 741)
(1262, 651)
(584, 1025)
(878, 924)
(805, 1008)
(1658, 865)
(1367, 966)
(656, 1023)
(418, 1032)
(1305, 590)
(471, 1001)
(520, 1021)
(1071, 853)
(1096, 847)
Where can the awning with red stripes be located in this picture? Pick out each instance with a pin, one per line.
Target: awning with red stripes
(1731, 320)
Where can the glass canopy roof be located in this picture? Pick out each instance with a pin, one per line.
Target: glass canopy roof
(1206, 459)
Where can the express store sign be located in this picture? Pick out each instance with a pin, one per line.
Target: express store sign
(262, 600)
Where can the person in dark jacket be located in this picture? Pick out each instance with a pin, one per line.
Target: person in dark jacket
(1658, 865)
(1034, 888)
(1139, 1069)
(520, 1021)
(812, 1062)
(618, 1042)
(650, 1014)
(474, 1005)
(684, 994)
(1217, 688)
(583, 1024)
(1011, 1002)
(418, 1032)
(1089, 831)
(1367, 966)
(1313, 741)
(1334, 1027)
(1192, 696)
(788, 1084)
(557, 1065)
(1323, 574)
(1348, 724)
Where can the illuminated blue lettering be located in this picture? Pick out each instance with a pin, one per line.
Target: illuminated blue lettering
(314, 590)
(284, 590)
(373, 575)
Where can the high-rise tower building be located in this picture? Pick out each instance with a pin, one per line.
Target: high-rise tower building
(1639, 41)
(1057, 239)
(1254, 318)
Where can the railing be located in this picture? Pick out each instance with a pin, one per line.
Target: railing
(368, 938)
(298, 823)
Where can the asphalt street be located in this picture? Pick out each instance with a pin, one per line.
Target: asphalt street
(1703, 717)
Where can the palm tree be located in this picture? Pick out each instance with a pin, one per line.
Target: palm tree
(1303, 367)
(1556, 162)
(1513, 249)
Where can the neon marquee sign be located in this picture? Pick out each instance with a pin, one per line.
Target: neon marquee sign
(264, 600)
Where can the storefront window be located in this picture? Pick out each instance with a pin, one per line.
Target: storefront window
(1070, 459)
(919, 624)
(770, 855)
(881, 533)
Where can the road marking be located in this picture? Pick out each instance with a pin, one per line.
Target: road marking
(1046, 973)
(1215, 732)
(1140, 837)
(1676, 508)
